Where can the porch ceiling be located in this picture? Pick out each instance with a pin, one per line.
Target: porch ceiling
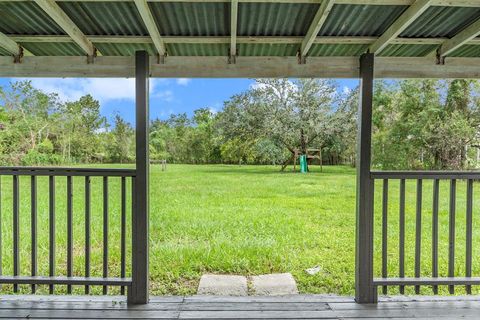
(272, 38)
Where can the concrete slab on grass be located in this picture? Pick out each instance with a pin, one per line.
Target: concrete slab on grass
(223, 285)
(274, 284)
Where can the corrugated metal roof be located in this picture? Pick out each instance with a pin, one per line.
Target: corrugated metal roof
(26, 18)
(407, 50)
(106, 18)
(53, 49)
(192, 19)
(467, 51)
(442, 22)
(337, 50)
(267, 50)
(4, 52)
(275, 19)
(183, 49)
(124, 49)
(360, 20)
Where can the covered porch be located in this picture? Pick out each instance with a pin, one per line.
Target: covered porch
(365, 39)
(217, 307)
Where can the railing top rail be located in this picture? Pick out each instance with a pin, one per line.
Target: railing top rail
(64, 171)
(375, 174)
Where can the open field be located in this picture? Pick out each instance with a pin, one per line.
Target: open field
(241, 220)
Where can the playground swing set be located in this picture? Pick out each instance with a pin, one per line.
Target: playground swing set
(303, 159)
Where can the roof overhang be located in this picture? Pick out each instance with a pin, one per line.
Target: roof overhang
(240, 38)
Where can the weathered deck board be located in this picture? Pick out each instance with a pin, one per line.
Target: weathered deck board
(300, 307)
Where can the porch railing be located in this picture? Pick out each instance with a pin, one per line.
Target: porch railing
(452, 278)
(25, 207)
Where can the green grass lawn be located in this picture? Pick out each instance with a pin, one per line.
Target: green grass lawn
(239, 220)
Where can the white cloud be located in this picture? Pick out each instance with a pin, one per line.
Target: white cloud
(346, 90)
(183, 81)
(102, 89)
(165, 95)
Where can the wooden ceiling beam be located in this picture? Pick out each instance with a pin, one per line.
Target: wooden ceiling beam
(227, 40)
(407, 18)
(245, 67)
(12, 47)
(462, 38)
(151, 25)
(64, 21)
(317, 23)
(233, 29)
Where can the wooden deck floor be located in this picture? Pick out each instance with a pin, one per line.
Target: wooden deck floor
(202, 307)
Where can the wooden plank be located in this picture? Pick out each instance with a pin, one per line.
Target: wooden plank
(446, 175)
(87, 314)
(427, 281)
(245, 67)
(462, 38)
(407, 18)
(147, 17)
(9, 45)
(62, 171)
(225, 39)
(317, 23)
(65, 280)
(64, 21)
(233, 27)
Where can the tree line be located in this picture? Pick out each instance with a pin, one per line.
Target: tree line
(417, 124)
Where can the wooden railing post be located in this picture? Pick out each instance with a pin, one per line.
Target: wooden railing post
(138, 293)
(365, 291)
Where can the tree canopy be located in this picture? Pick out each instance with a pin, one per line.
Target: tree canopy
(417, 124)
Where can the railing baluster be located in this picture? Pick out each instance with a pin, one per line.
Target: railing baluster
(418, 233)
(468, 255)
(436, 188)
(123, 233)
(87, 231)
(51, 200)
(16, 231)
(69, 231)
(385, 232)
(33, 202)
(105, 231)
(1, 244)
(451, 234)
(401, 245)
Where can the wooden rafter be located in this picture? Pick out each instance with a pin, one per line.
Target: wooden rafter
(317, 23)
(233, 28)
(407, 18)
(227, 40)
(10, 45)
(64, 21)
(464, 37)
(149, 21)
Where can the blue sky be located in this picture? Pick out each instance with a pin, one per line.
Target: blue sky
(167, 96)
